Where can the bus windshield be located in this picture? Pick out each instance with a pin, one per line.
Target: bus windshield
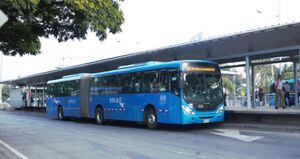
(204, 89)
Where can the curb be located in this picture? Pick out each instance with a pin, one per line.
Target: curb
(271, 127)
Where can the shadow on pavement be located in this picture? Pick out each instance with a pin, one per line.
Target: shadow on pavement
(162, 127)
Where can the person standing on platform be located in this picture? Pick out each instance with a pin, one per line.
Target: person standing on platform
(279, 93)
(261, 95)
(287, 93)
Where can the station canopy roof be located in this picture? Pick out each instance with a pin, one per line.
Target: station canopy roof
(269, 42)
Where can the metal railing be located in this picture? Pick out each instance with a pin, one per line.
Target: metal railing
(240, 101)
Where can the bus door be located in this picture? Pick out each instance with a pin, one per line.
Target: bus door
(84, 95)
(113, 100)
(72, 93)
(138, 104)
(128, 97)
(174, 102)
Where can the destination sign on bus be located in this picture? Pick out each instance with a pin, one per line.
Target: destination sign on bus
(200, 69)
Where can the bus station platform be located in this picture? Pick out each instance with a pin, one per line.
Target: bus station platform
(264, 114)
(263, 110)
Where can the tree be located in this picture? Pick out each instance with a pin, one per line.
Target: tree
(5, 92)
(263, 76)
(227, 84)
(63, 19)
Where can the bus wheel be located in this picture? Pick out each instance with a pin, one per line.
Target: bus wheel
(151, 119)
(60, 113)
(99, 119)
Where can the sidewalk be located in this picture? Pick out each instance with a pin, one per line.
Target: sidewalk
(263, 110)
(263, 118)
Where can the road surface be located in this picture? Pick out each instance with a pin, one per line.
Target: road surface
(41, 137)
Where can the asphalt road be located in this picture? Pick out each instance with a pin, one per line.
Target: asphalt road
(41, 137)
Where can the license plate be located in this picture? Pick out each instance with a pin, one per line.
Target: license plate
(206, 121)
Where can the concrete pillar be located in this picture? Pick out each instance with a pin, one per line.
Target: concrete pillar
(234, 91)
(295, 82)
(29, 96)
(35, 94)
(248, 82)
(43, 101)
(253, 84)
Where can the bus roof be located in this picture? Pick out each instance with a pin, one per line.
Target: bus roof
(152, 65)
(67, 78)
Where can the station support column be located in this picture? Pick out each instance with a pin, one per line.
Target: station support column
(295, 82)
(234, 90)
(43, 99)
(29, 96)
(35, 95)
(253, 84)
(248, 82)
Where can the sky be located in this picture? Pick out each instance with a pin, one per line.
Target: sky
(151, 24)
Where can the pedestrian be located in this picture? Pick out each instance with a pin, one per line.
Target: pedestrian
(261, 94)
(279, 93)
(225, 96)
(287, 93)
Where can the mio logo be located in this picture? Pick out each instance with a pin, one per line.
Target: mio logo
(115, 100)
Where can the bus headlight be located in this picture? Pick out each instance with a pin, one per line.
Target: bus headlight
(188, 110)
(220, 110)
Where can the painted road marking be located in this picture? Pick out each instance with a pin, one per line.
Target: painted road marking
(236, 135)
(19, 154)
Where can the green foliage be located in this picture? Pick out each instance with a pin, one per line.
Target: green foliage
(63, 19)
(5, 92)
(227, 84)
(263, 76)
(287, 72)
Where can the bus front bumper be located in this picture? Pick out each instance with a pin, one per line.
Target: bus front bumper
(203, 118)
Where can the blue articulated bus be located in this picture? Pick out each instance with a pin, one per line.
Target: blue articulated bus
(177, 92)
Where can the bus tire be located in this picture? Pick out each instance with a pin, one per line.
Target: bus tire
(99, 116)
(151, 119)
(60, 113)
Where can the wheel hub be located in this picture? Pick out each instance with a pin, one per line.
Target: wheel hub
(60, 114)
(98, 117)
(151, 118)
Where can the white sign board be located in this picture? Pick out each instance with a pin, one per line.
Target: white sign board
(3, 18)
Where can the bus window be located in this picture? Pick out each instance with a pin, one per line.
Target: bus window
(138, 83)
(150, 82)
(73, 88)
(100, 84)
(50, 90)
(65, 87)
(163, 83)
(96, 87)
(127, 83)
(111, 85)
(55, 90)
(59, 89)
(174, 82)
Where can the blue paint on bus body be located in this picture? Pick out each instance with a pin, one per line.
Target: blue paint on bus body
(130, 107)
